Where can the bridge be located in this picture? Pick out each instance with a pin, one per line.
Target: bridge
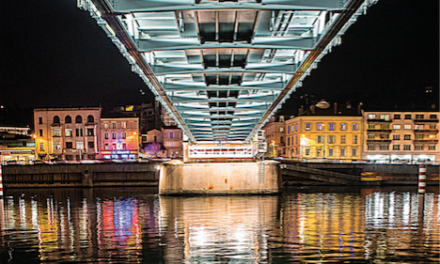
(222, 67)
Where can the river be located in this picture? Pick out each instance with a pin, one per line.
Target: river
(135, 225)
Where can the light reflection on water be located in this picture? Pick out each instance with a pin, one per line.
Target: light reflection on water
(137, 226)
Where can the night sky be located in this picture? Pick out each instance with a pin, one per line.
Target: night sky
(55, 55)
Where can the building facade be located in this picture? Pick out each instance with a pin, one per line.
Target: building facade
(173, 142)
(119, 138)
(67, 133)
(408, 137)
(333, 137)
(275, 136)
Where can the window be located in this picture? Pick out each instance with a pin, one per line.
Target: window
(40, 120)
(288, 141)
(296, 127)
(354, 152)
(106, 135)
(56, 119)
(288, 130)
(396, 116)
(319, 126)
(406, 147)
(41, 146)
(355, 139)
(396, 127)
(90, 132)
(407, 137)
(319, 139)
(307, 152)
(331, 126)
(396, 147)
(41, 132)
(385, 117)
(113, 125)
(431, 146)
(90, 119)
(396, 137)
(418, 147)
(124, 146)
(106, 146)
(331, 139)
(68, 120)
(407, 116)
(432, 116)
(342, 152)
(114, 146)
(371, 136)
(342, 139)
(384, 127)
(57, 145)
(407, 127)
(124, 135)
(91, 144)
(432, 126)
(114, 135)
(371, 147)
(308, 126)
(79, 145)
(355, 126)
(419, 136)
(171, 134)
(330, 152)
(78, 119)
(371, 116)
(282, 139)
(383, 136)
(383, 147)
(79, 132)
(281, 129)
(69, 145)
(419, 116)
(431, 136)
(343, 126)
(105, 126)
(171, 145)
(56, 132)
(371, 126)
(68, 132)
(124, 124)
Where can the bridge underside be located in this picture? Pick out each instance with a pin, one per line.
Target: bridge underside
(223, 67)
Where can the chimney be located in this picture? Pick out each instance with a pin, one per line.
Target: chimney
(359, 107)
(336, 108)
(312, 109)
(348, 105)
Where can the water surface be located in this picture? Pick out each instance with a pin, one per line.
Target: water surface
(135, 225)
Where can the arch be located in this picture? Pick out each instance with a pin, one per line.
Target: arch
(56, 119)
(68, 119)
(90, 119)
(78, 119)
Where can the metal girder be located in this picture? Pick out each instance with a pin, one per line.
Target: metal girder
(171, 87)
(169, 70)
(306, 43)
(184, 109)
(196, 115)
(128, 6)
(267, 98)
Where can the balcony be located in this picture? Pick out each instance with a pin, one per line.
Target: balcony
(425, 120)
(425, 141)
(379, 130)
(378, 140)
(379, 120)
(435, 131)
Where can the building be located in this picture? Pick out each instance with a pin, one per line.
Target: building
(401, 136)
(325, 133)
(173, 141)
(15, 130)
(275, 136)
(67, 133)
(16, 146)
(119, 138)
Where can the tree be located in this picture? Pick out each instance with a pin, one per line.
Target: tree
(153, 148)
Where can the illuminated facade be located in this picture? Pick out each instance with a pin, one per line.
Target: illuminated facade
(119, 138)
(275, 136)
(67, 133)
(408, 137)
(16, 146)
(324, 137)
(173, 141)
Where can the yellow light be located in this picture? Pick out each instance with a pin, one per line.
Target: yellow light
(134, 133)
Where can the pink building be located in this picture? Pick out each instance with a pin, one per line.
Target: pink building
(67, 133)
(119, 138)
(173, 141)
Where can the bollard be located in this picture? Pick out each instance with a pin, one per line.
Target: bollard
(1, 182)
(422, 178)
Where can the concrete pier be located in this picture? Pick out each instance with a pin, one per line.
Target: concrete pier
(178, 178)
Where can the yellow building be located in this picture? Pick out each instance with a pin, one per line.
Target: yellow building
(334, 137)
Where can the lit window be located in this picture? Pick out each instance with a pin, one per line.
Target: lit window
(418, 127)
(331, 126)
(371, 116)
(171, 144)
(79, 145)
(319, 126)
(106, 146)
(355, 126)
(406, 147)
(371, 136)
(385, 117)
(396, 147)
(308, 126)
(124, 124)
(68, 132)
(407, 137)
(57, 145)
(396, 127)
(56, 132)
(281, 129)
(343, 126)
(431, 136)
(105, 126)
(296, 127)
(288, 130)
(407, 127)
(307, 151)
(41, 146)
